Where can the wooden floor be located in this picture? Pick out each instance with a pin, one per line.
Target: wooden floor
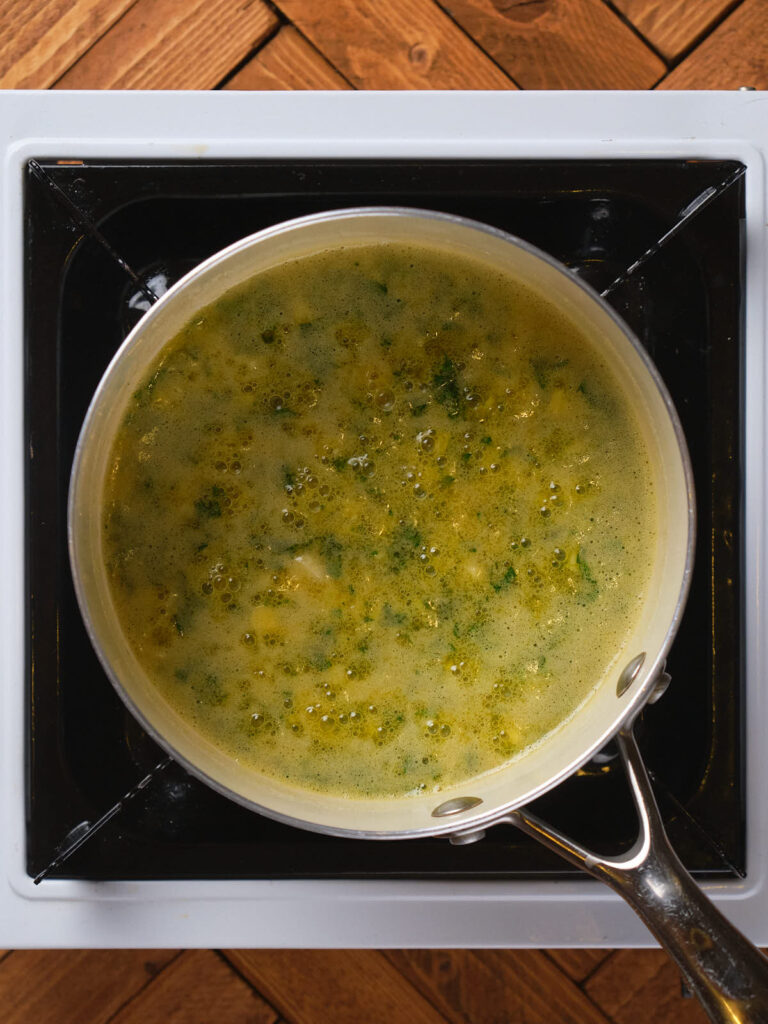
(366, 44)
(342, 987)
(383, 44)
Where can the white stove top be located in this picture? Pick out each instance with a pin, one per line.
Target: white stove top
(469, 125)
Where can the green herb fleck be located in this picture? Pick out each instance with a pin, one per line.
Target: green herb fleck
(446, 385)
(209, 505)
(330, 550)
(404, 539)
(392, 618)
(544, 368)
(597, 399)
(145, 393)
(592, 588)
(505, 580)
(210, 690)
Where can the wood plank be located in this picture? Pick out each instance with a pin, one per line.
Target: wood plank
(394, 44)
(578, 963)
(197, 988)
(287, 61)
(173, 44)
(72, 986)
(484, 987)
(636, 986)
(674, 26)
(343, 986)
(544, 44)
(730, 57)
(40, 39)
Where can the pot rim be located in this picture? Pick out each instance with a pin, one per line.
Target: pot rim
(475, 818)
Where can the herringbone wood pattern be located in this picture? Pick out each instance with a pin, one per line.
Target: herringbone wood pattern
(366, 44)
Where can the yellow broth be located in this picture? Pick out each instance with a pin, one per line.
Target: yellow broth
(378, 520)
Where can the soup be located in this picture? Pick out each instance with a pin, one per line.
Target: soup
(378, 520)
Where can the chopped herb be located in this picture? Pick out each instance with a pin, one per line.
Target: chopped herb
(486, 440)
(144, 394)
(386, 343)
(292, 549)
(505, 580)
(379, 286)
(404, 540)
(447, 480)
(544, 368)
(274, 334)
(210, 691)
(339, 463)
(330, 550)
(209, 505)
(592, 589)
(466, 456)
(392, 618)
(418, 410)
(597, 399)
(446, 385)
(177, 625)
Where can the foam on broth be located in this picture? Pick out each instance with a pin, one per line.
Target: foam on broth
(378, 520)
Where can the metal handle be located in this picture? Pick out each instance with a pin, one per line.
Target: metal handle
(721, 967)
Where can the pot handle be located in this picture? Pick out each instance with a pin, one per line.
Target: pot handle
(721, 967)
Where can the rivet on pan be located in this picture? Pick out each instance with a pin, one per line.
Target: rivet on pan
(456, 806)
(465, 838)
(629, 674)
(663, 679)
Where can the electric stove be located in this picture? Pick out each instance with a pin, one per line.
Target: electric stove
(105, 205)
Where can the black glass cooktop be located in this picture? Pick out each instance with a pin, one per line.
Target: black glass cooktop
(101, 236)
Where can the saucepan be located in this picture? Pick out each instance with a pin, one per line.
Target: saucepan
(726, 972)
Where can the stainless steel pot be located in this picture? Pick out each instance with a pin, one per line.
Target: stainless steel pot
(727, 973)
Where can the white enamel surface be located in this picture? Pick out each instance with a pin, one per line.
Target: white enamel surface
(349, 913)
